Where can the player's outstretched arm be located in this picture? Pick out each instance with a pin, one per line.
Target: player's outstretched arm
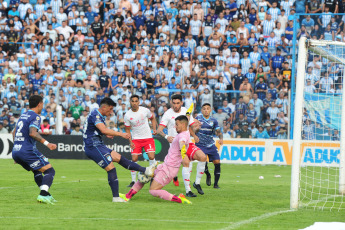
(35, 135)
(104, 130)
(191, 130)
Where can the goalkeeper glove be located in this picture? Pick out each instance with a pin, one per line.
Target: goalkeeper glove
(183, 151)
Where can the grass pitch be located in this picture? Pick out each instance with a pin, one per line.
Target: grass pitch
(243, 202)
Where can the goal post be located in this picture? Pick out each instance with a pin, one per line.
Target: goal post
(318, 156)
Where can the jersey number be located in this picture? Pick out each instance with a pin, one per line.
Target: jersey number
(20, 126)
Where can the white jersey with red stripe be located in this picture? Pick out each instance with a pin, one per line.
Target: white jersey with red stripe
(168, 120)
(138, 121)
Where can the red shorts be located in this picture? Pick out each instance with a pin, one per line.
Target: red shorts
(148, 145)
(191, 151)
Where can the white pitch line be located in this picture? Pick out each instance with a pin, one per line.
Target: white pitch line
(255, 219)
(113, 219)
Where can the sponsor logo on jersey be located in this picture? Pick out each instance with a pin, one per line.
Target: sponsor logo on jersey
(101, 163)
(17, 147)
(35, 164)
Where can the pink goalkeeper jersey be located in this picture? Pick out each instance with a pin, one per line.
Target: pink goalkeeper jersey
(174, 158)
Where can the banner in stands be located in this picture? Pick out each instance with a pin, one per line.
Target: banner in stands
(279, 152)
(71, 147)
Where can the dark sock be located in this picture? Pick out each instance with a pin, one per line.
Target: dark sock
(216, 173)
(44, 193)
(175, 179)
(113, 182)
(48, 177)
(206, 170)
(38, 176)
(127, 164)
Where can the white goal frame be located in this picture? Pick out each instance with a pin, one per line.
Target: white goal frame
(303, 46)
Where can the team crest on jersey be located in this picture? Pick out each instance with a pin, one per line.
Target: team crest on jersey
(211, 123)
(37, 118)
(109, 158)
(97, 117)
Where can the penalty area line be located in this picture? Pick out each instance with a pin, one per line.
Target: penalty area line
(112, 219)
(255, 219)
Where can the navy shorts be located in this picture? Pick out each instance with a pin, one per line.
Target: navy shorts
(211, 152)
(30, 159)
(99, 154)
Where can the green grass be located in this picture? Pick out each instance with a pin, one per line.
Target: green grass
(84, 198)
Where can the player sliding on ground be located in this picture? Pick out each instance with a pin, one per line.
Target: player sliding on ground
(137, 120)
(96, 150)
(207, 144)
(25, 153)
(165, 172)
(168, 121)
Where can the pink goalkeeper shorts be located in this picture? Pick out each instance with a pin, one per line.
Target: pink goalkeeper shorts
(164, 174)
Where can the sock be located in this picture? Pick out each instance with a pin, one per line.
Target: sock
(165, 195)
(135, 189)
(47, 181)
(124, 162)
(38, 176)
(190, 167)
(216, 173)
(134, 175)
(113, 182)
(186, 178)
(152, 161)
(200, 169)
(206, 170)
(175, 178)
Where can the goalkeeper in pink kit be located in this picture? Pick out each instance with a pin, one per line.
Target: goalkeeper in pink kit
(165, 172)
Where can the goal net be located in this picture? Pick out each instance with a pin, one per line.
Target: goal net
(317, 179)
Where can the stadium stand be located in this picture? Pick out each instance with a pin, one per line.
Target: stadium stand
(234, 54)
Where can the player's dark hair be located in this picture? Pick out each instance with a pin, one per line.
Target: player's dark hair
(107, 101)
(182, 118)
(34, 101)
(205, 104)
(176, 96)
(134, 96)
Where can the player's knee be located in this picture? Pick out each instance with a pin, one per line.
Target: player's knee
(115, 156)
(153, 192)
(185, 162)
(50, 171)
(202, 157)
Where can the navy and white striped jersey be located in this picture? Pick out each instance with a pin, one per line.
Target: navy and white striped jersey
(91, 134)
(22, 140)
(207, 129)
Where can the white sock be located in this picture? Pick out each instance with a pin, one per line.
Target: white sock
(200, 169)
(44, 187)
(186, 178)
(190, 167)
(152, 161)
(134, 175)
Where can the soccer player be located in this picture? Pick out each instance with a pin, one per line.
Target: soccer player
(168, 121)
(206, 142)
(96, 150)
(25, 153)
(137, 120)
(165, 172)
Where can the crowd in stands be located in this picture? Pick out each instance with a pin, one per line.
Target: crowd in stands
(76, 52)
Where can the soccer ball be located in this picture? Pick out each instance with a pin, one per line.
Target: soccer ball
(143, 178)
